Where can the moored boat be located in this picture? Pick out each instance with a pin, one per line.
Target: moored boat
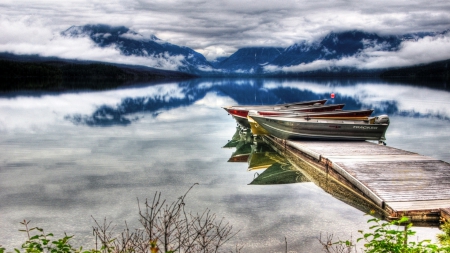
(337, 115)
(279, 106)
(239, 113)
(374, 128)
(255, 128)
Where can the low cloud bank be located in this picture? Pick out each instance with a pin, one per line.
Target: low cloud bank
(22, 38)
(27, 36)
(421, 51)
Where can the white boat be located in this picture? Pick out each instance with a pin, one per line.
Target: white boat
(374, 128)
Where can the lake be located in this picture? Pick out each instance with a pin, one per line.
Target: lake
(67, 156)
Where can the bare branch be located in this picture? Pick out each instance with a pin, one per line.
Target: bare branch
(167, 227)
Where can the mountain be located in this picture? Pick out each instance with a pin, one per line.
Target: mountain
(215, 63)
(252, 61)
(131, 43)
(245, 61)
(249, 60)
(335, 46)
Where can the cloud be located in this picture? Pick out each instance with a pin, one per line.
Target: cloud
(304, 67)
(26, 113)
(426, 50)
(219, 28)
(136, 36)
(26, 36)
(214, 28)
(373, 94)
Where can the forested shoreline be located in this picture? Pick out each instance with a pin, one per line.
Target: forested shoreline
(435, 71)
(59, 75)
(64, 75)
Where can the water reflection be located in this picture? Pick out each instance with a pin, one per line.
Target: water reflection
(168, 136)
(276, 168)
(279, 173)
(242, 140)
(272, 168)
(384, 98)
(261, 156)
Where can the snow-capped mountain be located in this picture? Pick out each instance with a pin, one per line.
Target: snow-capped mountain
(335, 46)
(249, 60)
(131, 43)
(336, 52)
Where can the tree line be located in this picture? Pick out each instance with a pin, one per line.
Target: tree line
(55, 75)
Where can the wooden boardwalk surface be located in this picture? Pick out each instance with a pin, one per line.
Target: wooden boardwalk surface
(398, 181)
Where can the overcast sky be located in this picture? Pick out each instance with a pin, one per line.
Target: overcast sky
(217, 28)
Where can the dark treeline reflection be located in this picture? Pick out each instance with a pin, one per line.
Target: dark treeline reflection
(243, 91)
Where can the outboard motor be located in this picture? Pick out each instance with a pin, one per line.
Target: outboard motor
(382, 119)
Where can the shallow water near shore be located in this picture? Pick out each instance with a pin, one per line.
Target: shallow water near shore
(71, 155)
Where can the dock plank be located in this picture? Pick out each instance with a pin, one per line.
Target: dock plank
(344, 148)
(403, 181)
(419, 205)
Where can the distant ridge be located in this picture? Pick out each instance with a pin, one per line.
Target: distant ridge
(334, 46)
(338, 54)
(129, 43)
(249, 61)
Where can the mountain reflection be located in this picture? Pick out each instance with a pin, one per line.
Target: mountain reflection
(254, 91)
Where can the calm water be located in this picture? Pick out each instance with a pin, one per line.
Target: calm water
(65, 157)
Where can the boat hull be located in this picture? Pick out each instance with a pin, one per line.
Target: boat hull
(240, 113)
(322, 129)
(255, 128)
(358, 115)
(324, 114)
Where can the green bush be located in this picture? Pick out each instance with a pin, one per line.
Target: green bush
(390, 237)
(393, 237)
(444, 238)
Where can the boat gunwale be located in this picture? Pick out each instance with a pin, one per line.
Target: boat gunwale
(310, 120)
(306, 114)
(305, 103)
(316, 136)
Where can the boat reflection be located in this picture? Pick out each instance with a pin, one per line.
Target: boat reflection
(242, 140)
(279, 173)
(235, 139)
(261, 156)
(271, 165)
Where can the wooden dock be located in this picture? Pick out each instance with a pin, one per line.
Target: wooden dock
(395, 182)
